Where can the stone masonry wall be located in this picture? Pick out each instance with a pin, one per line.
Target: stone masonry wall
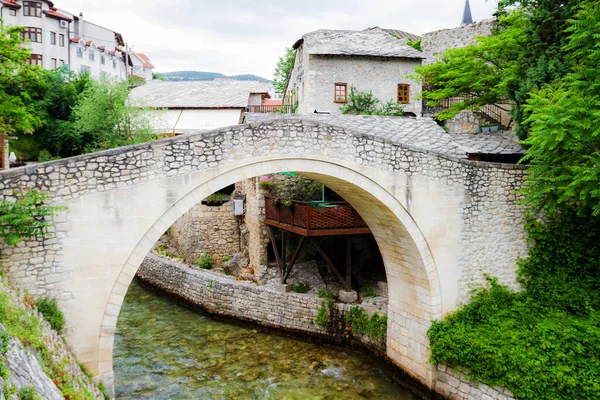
(223, 295)
(466, 122)
(435, 43)
(488, 213)
(453, 385)
(213, 230)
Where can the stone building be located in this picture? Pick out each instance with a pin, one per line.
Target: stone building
(329, 62)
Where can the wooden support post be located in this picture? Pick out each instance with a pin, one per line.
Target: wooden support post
(294, 258)
(329, 264)
(274, 244)
(284, 235)
(348, 262)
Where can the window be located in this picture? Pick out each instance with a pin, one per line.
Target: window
(403, 93)
(53, 38)
(61, 40)
(32, 9)
(53, 63)
(341, 92)
(114, 64)
(33, 34)
(12, 12)
(102, 60)
(79, 52)
(35, 59)
(84, 69)
(92, 55)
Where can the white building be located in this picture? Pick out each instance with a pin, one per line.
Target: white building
(96, 50)
(184, 107)
(141, 66)
(329, 62)
(60, 38)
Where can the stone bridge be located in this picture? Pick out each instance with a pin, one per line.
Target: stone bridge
(440, 220)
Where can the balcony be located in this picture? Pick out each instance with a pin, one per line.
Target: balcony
(314, 218)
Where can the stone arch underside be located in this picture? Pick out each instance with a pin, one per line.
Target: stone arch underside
(414, 294)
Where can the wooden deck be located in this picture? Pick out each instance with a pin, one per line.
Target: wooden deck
(314, 219)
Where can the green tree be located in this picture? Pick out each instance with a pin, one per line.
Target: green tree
(102, 119)
(283, 70)
(525, 52)
(16, 108)
(25, 218)
(564, 141)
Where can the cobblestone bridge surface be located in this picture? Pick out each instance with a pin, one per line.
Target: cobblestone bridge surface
(440, 220)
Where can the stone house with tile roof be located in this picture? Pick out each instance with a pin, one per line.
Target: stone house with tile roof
(329, 62)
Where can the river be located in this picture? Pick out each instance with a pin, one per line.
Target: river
(166, 351)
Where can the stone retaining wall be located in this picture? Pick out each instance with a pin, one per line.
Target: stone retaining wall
(453, 385)
(223, 295)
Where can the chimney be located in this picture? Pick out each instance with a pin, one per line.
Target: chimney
(80, 25)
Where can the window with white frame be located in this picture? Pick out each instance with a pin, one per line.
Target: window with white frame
(79, 52)
(92, 55)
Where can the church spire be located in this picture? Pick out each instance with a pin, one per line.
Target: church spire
(467, 18)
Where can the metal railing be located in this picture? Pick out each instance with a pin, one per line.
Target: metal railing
(494, 112)
(284, 109)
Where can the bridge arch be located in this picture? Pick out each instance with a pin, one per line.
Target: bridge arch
(440, 221)
(414, 293)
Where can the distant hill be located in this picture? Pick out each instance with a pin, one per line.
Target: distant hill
(207, 76)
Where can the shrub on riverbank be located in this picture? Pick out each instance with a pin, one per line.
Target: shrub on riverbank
(49, 309)
(543, 342)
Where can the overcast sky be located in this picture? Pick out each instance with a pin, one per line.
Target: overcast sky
(248, 36)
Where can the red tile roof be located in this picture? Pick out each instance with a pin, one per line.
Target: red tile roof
(112, 53)
(101, 48)
(146, 60)
(55, 14)
(10, 3)
(88, 43)
(274, 102)
(75, 40)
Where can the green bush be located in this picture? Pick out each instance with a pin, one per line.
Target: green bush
(326, 294)
(375, 326)
(369, 292)
(205, 261)
(322, 318)
(49, 309)
(28, 393)
(543, 342)
(300, 287)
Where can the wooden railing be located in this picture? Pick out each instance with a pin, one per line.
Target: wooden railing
(314, 218)
(270, 109)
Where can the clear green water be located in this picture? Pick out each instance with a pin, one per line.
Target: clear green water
(166, 351)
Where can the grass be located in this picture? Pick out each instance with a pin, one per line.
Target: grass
(300, 287)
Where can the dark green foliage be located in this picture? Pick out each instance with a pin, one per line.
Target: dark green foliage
(526, 52)
(326, 294)
(28, 393)
(564, 121)
(322, 318)
(26, 217)
(362, 103)
(283, 70)
(205, 261)
(544, 342)
(49, 309)
(103, 390)
(217, 198)
(359, 321)
(415, 44)
(369, 291)
(300, 287)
